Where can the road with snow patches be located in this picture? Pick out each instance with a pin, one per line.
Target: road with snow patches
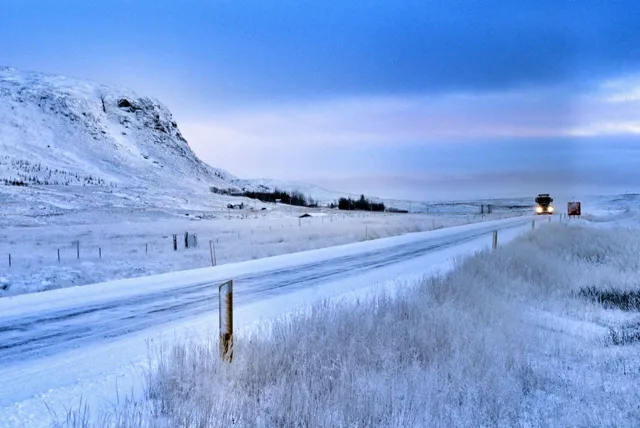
(36, 328)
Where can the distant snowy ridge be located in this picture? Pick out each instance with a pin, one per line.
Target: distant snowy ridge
(62, 131)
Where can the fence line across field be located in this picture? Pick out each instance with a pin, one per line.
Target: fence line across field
(187, 241)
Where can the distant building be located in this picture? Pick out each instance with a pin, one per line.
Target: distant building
(305, 215)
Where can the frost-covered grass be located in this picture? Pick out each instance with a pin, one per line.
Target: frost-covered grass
(144, 246)
(508, 338)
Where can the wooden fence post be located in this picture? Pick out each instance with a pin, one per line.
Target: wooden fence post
(495, 239)
(225, 309)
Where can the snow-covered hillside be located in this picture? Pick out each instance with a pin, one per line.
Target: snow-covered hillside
(58, 133)
(56, 130)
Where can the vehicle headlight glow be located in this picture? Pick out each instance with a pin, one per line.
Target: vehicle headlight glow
(538, 209)
(550, 209)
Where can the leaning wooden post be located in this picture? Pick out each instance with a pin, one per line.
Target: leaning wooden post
(225, 309)
(495, 239)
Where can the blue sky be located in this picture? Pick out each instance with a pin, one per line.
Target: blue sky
(428, 99)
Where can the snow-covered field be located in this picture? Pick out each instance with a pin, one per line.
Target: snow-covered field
(127, 235)
(126, 243)
(91, 341)
(542, 332)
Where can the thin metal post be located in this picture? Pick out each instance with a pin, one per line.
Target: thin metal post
(212, 251)
(78, 247)
(495, 239)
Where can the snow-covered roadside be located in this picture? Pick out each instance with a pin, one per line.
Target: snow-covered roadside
(111, 251)
(508, 339)
(101, 372)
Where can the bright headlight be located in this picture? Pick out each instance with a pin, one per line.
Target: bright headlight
(538, 209)
(550, 209)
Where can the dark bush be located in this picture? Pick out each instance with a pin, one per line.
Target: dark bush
(362, 204)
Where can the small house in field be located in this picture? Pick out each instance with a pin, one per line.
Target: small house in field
(306, 215)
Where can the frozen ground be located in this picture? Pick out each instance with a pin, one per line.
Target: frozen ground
(99, 367)
(126, 235)
(543, 332)
(91, 341)
(124, 242)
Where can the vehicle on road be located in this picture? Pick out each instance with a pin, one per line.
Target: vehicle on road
(544, 204)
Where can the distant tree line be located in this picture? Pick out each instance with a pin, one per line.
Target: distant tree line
(362, 204)
(299, 199)
(220, 191)
(290, 198)
(14, 182)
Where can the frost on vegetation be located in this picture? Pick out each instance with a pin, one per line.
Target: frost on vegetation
(470, 348)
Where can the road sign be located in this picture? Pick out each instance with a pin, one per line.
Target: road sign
(573, 209)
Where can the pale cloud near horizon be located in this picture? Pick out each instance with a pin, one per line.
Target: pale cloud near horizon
(611, 110)
(449, 145)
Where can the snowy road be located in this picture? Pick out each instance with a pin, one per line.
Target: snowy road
(49, 340)
(46, 332)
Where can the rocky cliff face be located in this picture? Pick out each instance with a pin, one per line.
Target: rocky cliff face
(56, 130)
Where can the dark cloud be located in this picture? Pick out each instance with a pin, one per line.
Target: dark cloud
(287, 49)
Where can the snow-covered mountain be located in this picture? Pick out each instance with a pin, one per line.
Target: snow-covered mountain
(318, 193)
(57, 130)
(58, 133)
